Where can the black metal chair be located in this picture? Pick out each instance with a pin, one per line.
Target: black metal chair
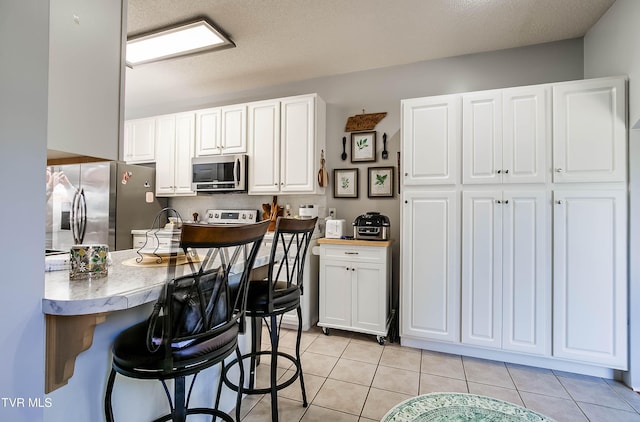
(271, 298)
(164, 347)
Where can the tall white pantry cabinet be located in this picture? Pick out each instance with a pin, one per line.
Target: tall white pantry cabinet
(514, 224)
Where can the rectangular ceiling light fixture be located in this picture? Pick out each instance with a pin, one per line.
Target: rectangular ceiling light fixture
(182, 40)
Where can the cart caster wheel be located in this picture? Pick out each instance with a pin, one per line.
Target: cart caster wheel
(381, 340)
(325, 331)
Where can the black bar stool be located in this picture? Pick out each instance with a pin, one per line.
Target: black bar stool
(272, 298)
(196, 322)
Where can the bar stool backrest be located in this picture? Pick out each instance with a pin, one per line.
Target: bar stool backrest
(288, 253)
(206, 295)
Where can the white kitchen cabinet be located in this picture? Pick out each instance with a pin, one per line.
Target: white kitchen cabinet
(355, 284)
(589, 131)
(590, 276)
(264, 146)
(526, 272)
(286, 137)
(221, 130)
(505, 135)
(482, 269)
(430, 288)
(175, 138)
(542, 231)
(140, 140)
(208, 122)
(482, 137)
(431, 140)
(526, 134)
(506, 289)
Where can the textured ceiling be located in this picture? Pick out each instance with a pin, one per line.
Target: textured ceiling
(280, 41)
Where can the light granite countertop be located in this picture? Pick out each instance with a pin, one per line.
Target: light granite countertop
(125, 287)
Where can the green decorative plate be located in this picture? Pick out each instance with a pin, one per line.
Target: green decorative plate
(459, 407)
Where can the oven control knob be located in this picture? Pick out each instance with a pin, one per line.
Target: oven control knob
(217, 215)
(244, 216)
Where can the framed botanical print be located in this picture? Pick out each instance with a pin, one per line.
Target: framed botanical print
(380, 182)
(363, 147)
(345, 183)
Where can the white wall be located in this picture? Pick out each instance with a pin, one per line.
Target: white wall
(611, 47)
(84, 77)
(23, 136)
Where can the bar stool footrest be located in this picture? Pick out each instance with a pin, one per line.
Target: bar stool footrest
(198, 411)
(264, 390)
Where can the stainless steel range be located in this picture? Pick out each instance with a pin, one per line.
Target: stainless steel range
(231, 216)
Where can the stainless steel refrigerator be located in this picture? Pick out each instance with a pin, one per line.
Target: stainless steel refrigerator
(99, 203)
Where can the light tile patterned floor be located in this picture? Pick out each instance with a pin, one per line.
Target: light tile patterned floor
(349, 377)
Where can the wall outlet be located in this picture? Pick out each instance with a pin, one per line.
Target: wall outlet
(332, 212)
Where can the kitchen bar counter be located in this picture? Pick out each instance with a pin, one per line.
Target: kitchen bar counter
(73, 308)
(125, 287)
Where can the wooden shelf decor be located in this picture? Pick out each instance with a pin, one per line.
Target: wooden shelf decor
(361, 122)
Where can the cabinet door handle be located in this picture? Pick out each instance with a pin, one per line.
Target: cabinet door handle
(351, 253)
(506, 171)
(347, 268)
(559, 202)
(498, 171)
(559, 170)
(498, 201)
(353, 269)
(506, 201)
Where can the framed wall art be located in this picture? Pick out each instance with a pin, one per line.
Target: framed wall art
(345, 183)
(363, 147)
(380, 183)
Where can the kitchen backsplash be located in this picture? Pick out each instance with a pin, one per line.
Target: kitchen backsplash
(186, 206)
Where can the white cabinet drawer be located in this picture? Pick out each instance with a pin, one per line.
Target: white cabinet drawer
(354, 253)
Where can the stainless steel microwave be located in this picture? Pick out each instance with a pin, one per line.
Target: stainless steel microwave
(220, 173)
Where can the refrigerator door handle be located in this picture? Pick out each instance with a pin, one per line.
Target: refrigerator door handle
(74, 228)
(79, 216)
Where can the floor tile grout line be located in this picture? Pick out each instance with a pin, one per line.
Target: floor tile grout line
(516, 386)
(624, 399)
(570, 395)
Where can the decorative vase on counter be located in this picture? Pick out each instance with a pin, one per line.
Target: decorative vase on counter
(88, 262)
